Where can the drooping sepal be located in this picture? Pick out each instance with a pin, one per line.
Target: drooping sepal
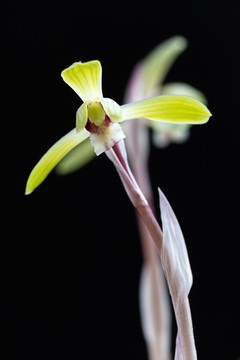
(76, 158)
(53, 156)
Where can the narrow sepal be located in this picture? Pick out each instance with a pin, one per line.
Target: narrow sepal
(53, 156)
(168, 108)
(78, 157)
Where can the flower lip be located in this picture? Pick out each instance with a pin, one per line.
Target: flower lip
(104, 136)
(104, 114)
(98, 129)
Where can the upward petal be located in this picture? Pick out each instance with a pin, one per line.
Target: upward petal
(157, 64)
(168, 108)
(53, 156)
(85, 79)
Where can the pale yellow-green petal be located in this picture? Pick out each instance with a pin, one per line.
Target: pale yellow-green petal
(53, 156)
(178, 88)
(82, 116)
(112, 109)
(157, 64)
(85, 79)
(76, 158)
(168, 108)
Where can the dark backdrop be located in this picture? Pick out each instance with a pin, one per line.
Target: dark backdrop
(73, 256)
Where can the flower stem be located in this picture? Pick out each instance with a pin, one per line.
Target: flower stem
(154, 300)
(152, 225)
(117, 154)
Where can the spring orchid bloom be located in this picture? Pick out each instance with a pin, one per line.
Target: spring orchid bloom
(99, 117)
(147, 79)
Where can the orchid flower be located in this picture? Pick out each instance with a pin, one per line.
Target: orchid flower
(147, 79)
(99, 117)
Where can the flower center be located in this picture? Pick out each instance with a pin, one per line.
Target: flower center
(96, 114)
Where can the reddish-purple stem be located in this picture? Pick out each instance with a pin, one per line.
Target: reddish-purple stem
(137, 197)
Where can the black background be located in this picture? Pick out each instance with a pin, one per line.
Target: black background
(73, 256)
